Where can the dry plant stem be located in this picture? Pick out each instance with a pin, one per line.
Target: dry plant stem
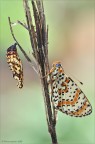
(24, 53)
(22, 24)
(19, 22)
(39, 43)
(26, 56)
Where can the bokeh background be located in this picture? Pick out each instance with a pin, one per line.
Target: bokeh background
(72, 41)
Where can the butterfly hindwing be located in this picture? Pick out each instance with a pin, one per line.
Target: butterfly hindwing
(15, 64)
(67, 96)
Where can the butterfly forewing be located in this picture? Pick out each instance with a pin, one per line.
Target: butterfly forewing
(15, 64)
(67, 96)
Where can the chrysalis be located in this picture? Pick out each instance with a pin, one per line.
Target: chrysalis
(15, 64)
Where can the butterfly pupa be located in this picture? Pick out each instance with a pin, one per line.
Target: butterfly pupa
(15, 64)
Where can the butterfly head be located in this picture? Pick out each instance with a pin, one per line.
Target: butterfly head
(57, 64)
(56, 67)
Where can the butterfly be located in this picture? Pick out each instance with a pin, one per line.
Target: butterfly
(15, 64)
(67, 96)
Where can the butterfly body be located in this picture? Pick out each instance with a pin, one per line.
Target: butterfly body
(15, 65)
(66, 94)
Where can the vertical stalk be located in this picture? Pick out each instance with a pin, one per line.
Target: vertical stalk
(39, 43)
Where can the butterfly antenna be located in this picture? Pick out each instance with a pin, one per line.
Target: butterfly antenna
(75, 78)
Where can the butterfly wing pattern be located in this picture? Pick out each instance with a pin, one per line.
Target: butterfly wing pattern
(66, 94)
(15, 64)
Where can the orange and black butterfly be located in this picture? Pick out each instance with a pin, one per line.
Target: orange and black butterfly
(67, 96)
(15, 64)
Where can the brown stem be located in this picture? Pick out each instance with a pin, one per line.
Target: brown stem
(22, 24)
(22, 50)
(39, 43)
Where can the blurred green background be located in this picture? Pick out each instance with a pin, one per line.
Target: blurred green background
(71, 40)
